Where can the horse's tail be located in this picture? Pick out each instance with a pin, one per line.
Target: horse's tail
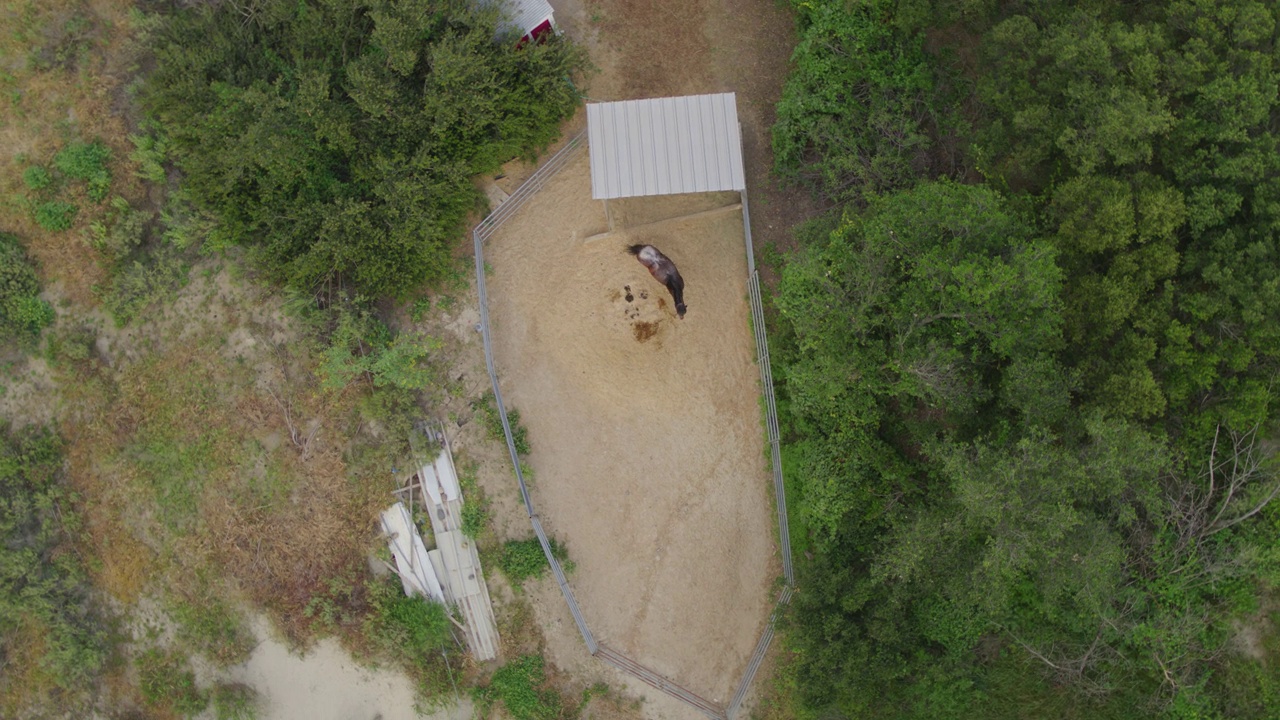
(635, 249)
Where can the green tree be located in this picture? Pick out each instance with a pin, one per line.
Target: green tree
(917, 303)
(338, 140)
(857, 112)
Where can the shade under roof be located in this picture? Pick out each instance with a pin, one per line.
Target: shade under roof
(665, 146)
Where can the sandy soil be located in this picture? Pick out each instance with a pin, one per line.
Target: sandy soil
(648, 450)
(325, 684)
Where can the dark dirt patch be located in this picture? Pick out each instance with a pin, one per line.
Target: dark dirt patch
(644, 331)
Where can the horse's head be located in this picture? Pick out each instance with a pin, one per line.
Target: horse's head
(680, 308)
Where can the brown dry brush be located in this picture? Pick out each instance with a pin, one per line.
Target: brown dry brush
(80, 57)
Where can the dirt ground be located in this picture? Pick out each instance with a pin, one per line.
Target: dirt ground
(648, 448)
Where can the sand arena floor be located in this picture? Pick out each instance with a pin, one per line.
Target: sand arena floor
(648, 454)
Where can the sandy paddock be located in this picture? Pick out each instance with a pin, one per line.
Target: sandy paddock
(648, 451)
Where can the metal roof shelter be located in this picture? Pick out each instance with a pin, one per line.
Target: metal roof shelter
(665, 146)
(528, 17)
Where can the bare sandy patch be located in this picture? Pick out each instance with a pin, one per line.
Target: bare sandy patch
(327, 684)
(647, 446)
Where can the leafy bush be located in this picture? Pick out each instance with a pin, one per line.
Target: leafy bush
(406, 626)
(234, 702)
(23, 315)
(37, 178)
(167, 681)
(519, 686)
(214, 629)
(55, 215)
(859, 107)
(150, 153)
(1020, 413)
(493, 424)
(40, 582)
(474, 517)
(340, 140)
(88, 162)
(136, 284)
(523, 559)
(121, 232)
(362, 345)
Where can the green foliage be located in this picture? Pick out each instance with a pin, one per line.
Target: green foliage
(37, 178)
(167, 681)
(42, 583)
(916, 302)
(411, 632)
(519, 685)
(137, 284)
(406, 626)
(361, 345)
(23, 315)
(334, 606)
(212, 628)
(151, 153)
(55, 215)
(120, 232)
(234, 702)
(1021, 417)
(859, 108)
(88, 162)
(493, 424)
(524, 560)
(339, 141)
(474, 518)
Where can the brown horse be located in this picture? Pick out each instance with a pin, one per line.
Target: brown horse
(663, 270)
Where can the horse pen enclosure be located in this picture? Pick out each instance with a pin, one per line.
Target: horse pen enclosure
(648, 452)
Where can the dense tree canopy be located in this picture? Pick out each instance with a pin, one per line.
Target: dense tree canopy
(1031, 415)
(339, 137)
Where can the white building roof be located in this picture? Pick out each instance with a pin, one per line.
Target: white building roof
(522, 15)
(665, 146)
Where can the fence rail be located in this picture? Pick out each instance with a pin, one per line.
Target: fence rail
(482, 231)
(622, 662)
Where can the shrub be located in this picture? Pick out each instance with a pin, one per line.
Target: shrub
(212, 628)
(524, 559)
(41, 586)
(474, 517)
(23, 315)
(403, 625)
(137, 285)
(55, 215)
(167, 681)
(493, 424)
(88, 162)
(37, 177)
(121, 231)
(234, 702)
(519, 686)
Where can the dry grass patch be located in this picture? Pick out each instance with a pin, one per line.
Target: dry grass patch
(65, 67)
(195, 461)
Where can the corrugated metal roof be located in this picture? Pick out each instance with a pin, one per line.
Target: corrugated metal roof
(665, 146)
(522, 15)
